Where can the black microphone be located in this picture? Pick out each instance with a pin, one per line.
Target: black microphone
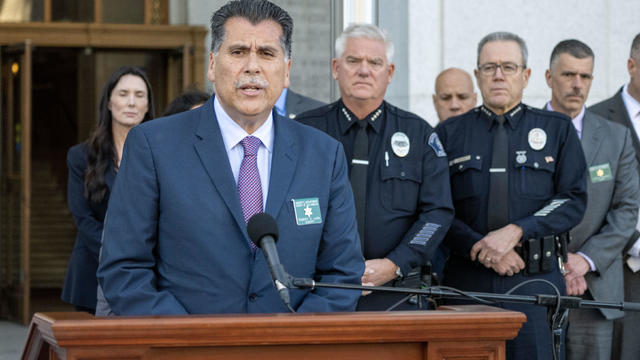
(263, 231)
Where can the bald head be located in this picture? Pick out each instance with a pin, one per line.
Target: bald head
(454, 93)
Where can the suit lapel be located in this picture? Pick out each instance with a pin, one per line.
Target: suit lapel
(618, 110)
(591, 137)
(213, 155)
(283, 164)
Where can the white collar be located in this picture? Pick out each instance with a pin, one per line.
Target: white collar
(232, 133)
(632, 105)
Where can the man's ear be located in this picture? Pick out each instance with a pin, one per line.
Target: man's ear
(211, 75)
(392, 69)
(526, 73)
(547, 76)
(287, 72)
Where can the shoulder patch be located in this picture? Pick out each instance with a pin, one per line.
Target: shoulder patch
(434, 142)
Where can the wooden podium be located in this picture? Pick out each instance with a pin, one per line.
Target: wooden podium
(460, 332)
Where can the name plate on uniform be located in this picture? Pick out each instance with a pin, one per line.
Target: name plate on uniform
(599, 173)
(307, 211)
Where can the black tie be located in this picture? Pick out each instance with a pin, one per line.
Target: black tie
(360, 164)
(499, 179)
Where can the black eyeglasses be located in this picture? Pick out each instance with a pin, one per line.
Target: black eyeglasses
(508, 68)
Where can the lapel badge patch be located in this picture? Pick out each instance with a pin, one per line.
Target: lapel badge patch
(548, 159)
(599, 173)
(307, 211)
(537, 139)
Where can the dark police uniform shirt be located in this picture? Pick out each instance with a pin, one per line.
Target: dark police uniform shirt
(547, 181)
(408, 208)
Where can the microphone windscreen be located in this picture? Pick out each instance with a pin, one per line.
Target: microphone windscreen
(261, 225)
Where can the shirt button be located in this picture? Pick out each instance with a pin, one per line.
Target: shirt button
(253, 297)
(460, 167)
(402, 174)
(535, 165)
(478, 157)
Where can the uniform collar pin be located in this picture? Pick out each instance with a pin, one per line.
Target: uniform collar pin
(346, 114)
(373, 117)
(515, 111)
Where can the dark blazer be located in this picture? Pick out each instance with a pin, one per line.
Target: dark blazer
(80, 283)
(612, 207)
(175, 240)
(614, 110)
(297, 103)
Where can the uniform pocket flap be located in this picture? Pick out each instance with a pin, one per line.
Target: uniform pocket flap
(402, 170)
(535, 162)
(463, 163)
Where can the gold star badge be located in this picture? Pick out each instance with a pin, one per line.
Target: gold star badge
(600, 173)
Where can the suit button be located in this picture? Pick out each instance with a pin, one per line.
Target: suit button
(253, 297)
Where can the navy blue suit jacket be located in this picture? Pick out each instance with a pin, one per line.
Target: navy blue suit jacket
(175, 240)
(80, 283)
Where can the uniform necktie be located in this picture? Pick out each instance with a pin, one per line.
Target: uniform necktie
(498, 214)
(249, 185)
(360, 164)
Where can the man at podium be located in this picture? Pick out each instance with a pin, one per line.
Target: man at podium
(175, 238)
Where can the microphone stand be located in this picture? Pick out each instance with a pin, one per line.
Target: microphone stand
(557, 305)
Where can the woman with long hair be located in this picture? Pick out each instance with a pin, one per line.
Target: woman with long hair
(126, 101)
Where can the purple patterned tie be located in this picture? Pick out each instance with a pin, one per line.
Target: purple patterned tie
(249, 185)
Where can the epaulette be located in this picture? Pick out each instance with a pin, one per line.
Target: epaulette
(548, 114)
(317, 112)
(454, 119)
(403, 114)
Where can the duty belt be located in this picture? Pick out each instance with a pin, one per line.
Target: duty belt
(540, 253)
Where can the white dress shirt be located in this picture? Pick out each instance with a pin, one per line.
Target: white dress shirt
(577, 121)
(232, 134)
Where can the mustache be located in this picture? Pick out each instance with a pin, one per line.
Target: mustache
(576, 93)
(251, 81)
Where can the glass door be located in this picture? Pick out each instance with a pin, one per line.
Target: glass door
(15, 179)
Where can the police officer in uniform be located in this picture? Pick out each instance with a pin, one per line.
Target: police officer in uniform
(398, 169)
(518, 185)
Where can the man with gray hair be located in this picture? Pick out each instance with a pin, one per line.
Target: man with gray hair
(594, 261)
(398, 169)
(518, 186)
(176, 238)
(624, 108)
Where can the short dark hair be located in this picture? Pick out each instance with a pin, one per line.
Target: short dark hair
(573, 47)
(255, 11)
(186, 101)
(504, 36)
(635, 48)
